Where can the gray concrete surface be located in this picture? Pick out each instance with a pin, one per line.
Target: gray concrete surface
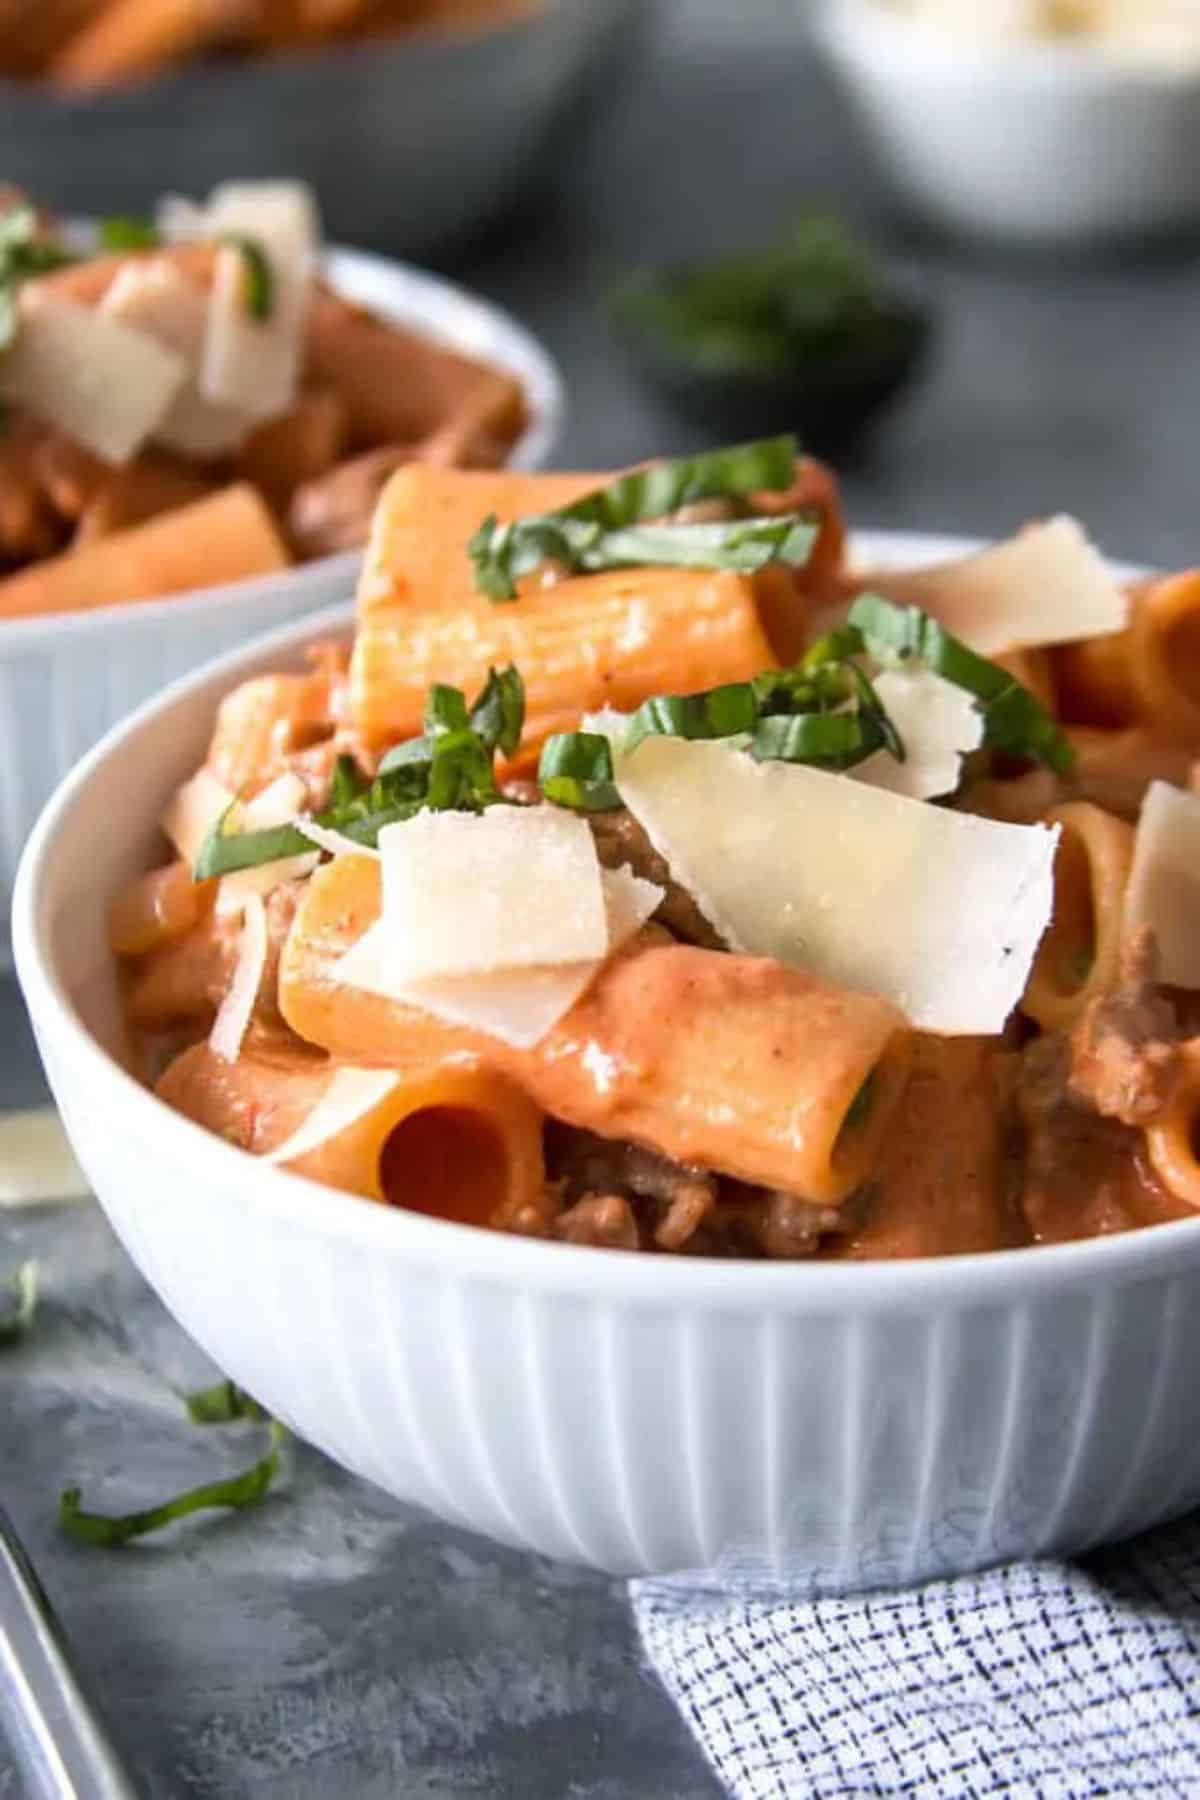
(335, 1643)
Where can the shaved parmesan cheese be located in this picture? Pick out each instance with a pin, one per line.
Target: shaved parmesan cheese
(518, 1006)
(254, 364)
(508, 888)
(179, 220)
(937, 911)
(192, 812)
(233, 1019)
(1164, 882)
(278, 804)
(938, 723)
(333, 841)
(350, 1096)
(96, 379)
(36, 1161)
(155, 297)
(1047, 585)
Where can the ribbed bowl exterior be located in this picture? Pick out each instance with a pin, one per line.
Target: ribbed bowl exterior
(823, 1428)
(65, 681)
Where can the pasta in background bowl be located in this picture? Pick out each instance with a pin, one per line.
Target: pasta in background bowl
(823, 1424)
(65, 678)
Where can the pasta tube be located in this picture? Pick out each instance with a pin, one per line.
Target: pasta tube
(262, 723)
(457, 1142)
(598, 640)
(1149, 673)
(1080, 954)
(948, 1140)
(1171, 1141)
(704, 1057)
(1113, 769)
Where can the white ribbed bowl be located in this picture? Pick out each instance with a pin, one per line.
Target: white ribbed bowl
(829, 1427)
(66, 678)
(1044, 145)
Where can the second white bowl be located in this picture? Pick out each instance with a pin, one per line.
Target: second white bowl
(1047, 145)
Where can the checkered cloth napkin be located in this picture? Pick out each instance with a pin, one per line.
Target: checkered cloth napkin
(1050, 1681)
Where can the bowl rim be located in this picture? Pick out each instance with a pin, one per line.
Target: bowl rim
(877, 28)
(530, 360)
(496, 1258)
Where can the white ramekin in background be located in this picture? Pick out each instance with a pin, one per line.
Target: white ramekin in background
(65, 678)
(1047, 145)
(827, 1427)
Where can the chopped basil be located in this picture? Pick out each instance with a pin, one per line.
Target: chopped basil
(597, 532)
(127, 231)
(221, 1404)
(257, 274)
(1014, 721)
(720, 713)
(450, 768)
(576, 771)
(16, 1314)
(237, 1492)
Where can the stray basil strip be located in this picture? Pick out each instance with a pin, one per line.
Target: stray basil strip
(613, 528)
(17, 1317)
(110, 1530)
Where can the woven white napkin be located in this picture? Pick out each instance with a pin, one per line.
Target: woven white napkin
(1051, 1681)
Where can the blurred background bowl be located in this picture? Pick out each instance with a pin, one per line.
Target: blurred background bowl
(411, 142)
(1046, 145)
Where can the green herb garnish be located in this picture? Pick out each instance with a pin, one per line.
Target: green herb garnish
(450, 768)
(811, 298)
(614, 527)
(24, 252)
(237, 1492)
(1014, 721)
(222, 1404)
(257, 274)
(128, 231)
(16, 1316)
(576, 771)
(824, 712)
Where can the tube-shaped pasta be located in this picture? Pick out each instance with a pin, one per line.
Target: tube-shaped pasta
(1113, 769)
(264, 722)
(1171, 1141)
(950, 1139)
(1080, 954)
(1165, 654)
(704, 1057)
(599, 640)
(1148, 674)
(155, 909)
(460, 1142)
(256, 1102)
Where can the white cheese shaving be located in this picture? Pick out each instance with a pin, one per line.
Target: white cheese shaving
(1164, 882)
(1047, 585)
(511, 887)
(104, 385)
(192, 811)
(36, 1160)
(233, 1019)
(157, 298)
(937, 911)
(278, 804)
(335, 842)
(255, 364)
(349, 1097)
(938, 723)
(518, 1006)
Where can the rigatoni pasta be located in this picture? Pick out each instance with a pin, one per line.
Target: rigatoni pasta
(642, 878)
